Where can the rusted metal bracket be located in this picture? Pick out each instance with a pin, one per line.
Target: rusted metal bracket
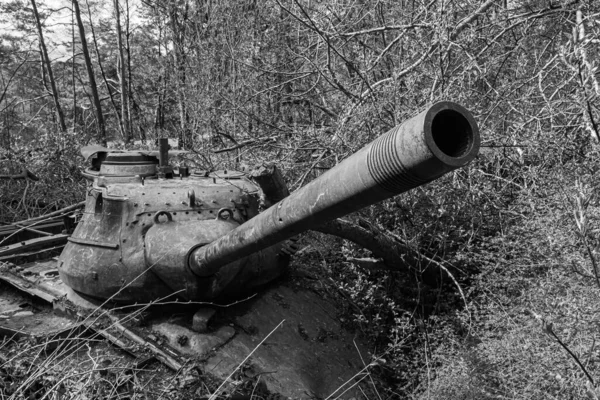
(32, 244)
(23, 285)
(28, 229)
(167, 359)
(55, 298)
(114, 340)
(54, 214)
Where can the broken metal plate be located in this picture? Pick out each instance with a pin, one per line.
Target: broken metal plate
(16, 249)
(310, 355)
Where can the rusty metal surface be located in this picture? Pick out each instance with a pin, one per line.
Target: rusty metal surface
(22, 314)
(106, 257)
(128, 164)
(438, 140)
(18, 232)
(13, 276)
(92, 151)
(144, 236)
(32, 244)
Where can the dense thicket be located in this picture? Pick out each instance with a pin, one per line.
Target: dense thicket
(305, 83)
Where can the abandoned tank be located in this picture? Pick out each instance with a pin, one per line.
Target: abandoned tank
(150, 231)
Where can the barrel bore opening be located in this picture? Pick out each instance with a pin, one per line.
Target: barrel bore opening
(452, 133)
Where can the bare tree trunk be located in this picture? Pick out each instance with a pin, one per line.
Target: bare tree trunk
(158, 111)
(178, 31)
(73, 69)
(46, 59)
(396, 256)
(7, 83)
(90, 71)
(159, 118)
(133, 110)
(6, 132)
(110, 95)
(123, 83)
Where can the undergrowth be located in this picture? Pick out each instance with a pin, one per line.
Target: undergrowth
(518, 318)
(56, 163)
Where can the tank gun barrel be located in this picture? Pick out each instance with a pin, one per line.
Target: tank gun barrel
(440, 139)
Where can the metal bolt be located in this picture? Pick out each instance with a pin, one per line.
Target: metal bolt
(182, 340)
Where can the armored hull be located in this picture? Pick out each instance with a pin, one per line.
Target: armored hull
(109, 255)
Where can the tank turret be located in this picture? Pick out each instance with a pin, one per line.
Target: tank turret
(149, 230)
